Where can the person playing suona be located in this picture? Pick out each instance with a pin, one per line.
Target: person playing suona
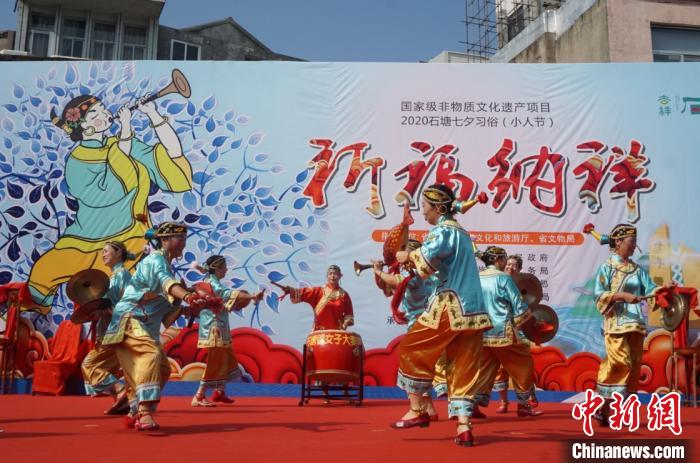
(514, 265)
(134, 330)
(110, 178)
(619, 285)
(413, 300)
(215, 334)
(504, 344)
(100, 367)
(453, 321)
(332, 305)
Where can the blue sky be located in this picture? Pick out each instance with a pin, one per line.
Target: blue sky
(327, 30)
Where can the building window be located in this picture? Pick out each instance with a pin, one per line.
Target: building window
(103, 40)
(73, 38)
(675, 45)
(134, 43)
(41, 28)
(516, 22)
(183, 51)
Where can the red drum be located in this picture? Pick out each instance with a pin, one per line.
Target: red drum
(333, 356)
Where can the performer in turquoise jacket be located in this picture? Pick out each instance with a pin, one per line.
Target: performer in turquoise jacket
(101, 367)
(514, 265)
(504, 344)
(620, 284)
(135, 326)
(215, 335)
(453, 321)
(413, 303)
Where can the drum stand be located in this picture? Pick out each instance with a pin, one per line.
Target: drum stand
(353, 393)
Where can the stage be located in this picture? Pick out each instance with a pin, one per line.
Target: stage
(72, 428)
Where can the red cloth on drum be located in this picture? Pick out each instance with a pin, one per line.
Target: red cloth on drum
(664, 296)
(331, 307)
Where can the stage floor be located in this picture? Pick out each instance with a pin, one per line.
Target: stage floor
(73, 429)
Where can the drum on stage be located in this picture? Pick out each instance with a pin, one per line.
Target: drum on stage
(333, 356)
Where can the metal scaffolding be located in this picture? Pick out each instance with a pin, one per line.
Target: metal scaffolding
(491, 24)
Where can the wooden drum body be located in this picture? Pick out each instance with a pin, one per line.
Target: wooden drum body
(333, 356)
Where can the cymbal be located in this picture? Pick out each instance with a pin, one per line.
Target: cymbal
(543, 325)
(530, 288)
(83, 312)
(87, 285)
(677, 311)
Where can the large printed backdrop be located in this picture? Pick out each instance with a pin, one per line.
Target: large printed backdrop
(300, 165)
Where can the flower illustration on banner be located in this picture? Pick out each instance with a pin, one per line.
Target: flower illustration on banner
(238, 206)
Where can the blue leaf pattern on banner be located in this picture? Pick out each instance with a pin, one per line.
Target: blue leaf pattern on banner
(220, 140)
(301, 176)
(276, 276)
(235, 208)
(300, 203)
(272, 301)
(287, 239)
(300, 237)
(255, 138)
(157, 206)
(213, 198)
(189, 200)
(270, 250)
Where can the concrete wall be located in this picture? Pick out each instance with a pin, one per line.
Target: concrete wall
(610, 31)
(7, 39)
(630, 21)
(542, 50)
(586, 41)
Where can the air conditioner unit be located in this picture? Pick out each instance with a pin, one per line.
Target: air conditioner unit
(552, 4)
(13, 52)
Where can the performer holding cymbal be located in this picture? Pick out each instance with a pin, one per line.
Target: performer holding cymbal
(619, 287)
(101, 367)
(504, 344)
(514, 265)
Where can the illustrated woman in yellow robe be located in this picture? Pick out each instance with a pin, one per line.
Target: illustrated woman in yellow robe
(110, 177)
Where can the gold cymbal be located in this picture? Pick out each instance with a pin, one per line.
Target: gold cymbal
(530, 288)
(674, 314)
(87, 285)
(543, 325)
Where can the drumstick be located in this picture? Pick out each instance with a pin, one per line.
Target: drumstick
(283, 288)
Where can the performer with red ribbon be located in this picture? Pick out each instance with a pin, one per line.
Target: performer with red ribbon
(453, 322)
(134, 330)
(410, 297)
(215, 331)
